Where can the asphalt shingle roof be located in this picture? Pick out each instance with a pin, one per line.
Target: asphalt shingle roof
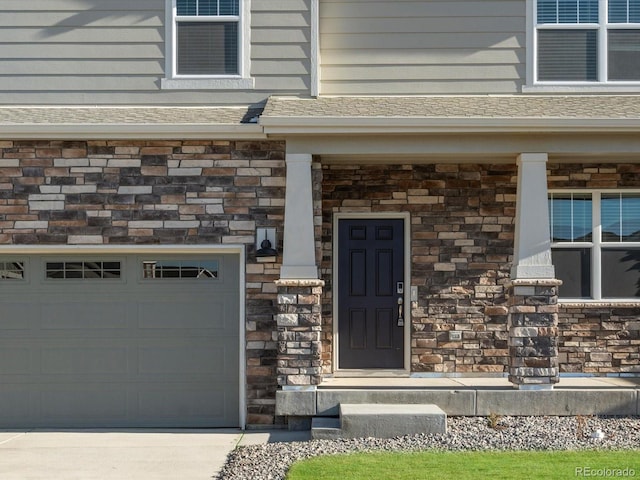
(28, 115)
(493, 107)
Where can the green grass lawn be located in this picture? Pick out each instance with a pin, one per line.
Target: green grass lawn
(470, 465)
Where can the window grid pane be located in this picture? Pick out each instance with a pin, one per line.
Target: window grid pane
(180, 269)
(229, 7)
(11, 270)
(571, 217)
(620, 217)
(624, 11)
(82, 270)
(209, 8)
(187, 7)
(567, 11)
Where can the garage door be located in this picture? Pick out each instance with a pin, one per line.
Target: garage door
(119, 341)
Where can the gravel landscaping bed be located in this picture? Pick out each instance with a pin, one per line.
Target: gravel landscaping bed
(271, 461)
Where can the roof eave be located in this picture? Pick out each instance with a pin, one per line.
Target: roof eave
(116, 131)
(415, 125)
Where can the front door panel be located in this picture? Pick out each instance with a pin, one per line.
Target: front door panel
(370, 276)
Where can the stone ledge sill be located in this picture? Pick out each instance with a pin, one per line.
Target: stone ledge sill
(537, 282)
(299, 283)
(562, 304)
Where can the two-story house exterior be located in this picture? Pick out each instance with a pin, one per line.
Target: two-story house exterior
(452, 189)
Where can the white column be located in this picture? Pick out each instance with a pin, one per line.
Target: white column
(299, 256)
(532, 253)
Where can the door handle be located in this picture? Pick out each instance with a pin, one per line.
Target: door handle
(400, 312)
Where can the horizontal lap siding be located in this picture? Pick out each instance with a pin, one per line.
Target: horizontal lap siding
(376, 47)
(92, 51)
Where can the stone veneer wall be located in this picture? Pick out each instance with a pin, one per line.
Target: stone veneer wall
(462, 222)
(157, 192)
(462, 242)
(598, 338)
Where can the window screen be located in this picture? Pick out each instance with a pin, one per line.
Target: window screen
(624, 55)
(620, 273)
(573, 267)
(566, 55)
(207, 48)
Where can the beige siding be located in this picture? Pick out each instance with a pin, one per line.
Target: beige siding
(112, 52)
(410, 47)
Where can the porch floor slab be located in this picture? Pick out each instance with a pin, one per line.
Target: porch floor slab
(471, 383)
(470, 396)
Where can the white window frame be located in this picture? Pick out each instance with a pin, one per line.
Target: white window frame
(533, 85)
(241, 81)
(596, 245)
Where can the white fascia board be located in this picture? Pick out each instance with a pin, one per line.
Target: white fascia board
(6, 250)
(129, 131)
(399, 125)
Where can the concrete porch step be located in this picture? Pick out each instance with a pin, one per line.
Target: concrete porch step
(325, 428)
(381, 420)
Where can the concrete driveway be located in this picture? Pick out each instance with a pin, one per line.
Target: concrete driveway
(124, 454)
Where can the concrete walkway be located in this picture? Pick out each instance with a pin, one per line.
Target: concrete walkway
(125, 454)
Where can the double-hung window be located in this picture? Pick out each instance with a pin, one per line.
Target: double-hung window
(587, 41)
(209, 43)
(596, 244)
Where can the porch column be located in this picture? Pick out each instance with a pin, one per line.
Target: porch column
(299, 253)
(299, 289)
(533, 291)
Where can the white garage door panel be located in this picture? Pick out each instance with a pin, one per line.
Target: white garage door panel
(124, 352)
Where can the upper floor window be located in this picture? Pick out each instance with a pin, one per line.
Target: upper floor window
(587, 41)
(208, 44)
(207, 37)
(596, 244)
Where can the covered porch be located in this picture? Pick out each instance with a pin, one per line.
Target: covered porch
(477, 301)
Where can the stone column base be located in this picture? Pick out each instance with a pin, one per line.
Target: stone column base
(533, 333)
(299, 324)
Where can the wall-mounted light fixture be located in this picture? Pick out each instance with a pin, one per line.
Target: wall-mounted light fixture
(266, 245)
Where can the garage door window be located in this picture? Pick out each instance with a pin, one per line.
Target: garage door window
(180, 269)
(83, 270)
(11, 270)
